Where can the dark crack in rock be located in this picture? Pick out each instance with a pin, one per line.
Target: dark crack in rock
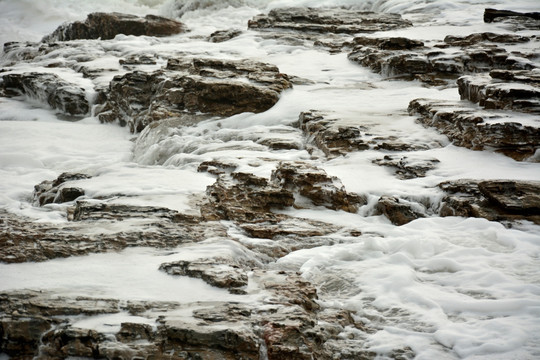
(106, 26)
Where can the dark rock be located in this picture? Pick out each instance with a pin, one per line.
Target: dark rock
(398, 212)
(495, 200)
(476, 38)
(492, 14)
(244, 198)
(141, 59)
(327, 20)
(329, 136)
(51, 191)
(215, 87)
(217, 273)
(409, 59)
(107, 25)
(224, 35)
(314, 184)
(135, 332)
(493, 93)
(216, 167)
(407, 168)
(472, 128)
(21, 336)
(49, 89)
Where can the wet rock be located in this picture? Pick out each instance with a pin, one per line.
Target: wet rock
(210, 86)
(135, 332)
(495, 93)
(409, 59)
(476, 38)
(49, 89)
(55, 191)
(288, 227)
(106, 26)
(216, 167)
(217, 273)
(326, 133)
(492, 14)
(21, 336)
(407, 168)
(244, 198)
(398, 211)
(495, 200)
(475, 129)
(135, 59)
(327, 20)
(316, 185)
(224, 35)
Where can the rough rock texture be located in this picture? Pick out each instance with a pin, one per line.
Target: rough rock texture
(48, 89)
(316, 185)
(192, 86)
(216, 272)
(327, 20)
(224, 35)
(107, 25)
(510, 90)
(284, 326)
(496, 200)
(407, 168)
(491, 15)
(22, 240)
(476, 129)
(399, 212)
(56, 191)
(435, 65)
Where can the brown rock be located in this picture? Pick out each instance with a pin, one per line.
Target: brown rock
(107, 25)
(51, 191)
(398, 212)
(406, 168)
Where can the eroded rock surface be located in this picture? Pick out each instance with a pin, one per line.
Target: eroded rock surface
(49, 89)
(407, 168)
(106, 26)
(399, 212)
(470, 127)
(56, 191)
(192, 86)
(496, 200)
(327, 20)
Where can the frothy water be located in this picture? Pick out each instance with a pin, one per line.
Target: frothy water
(447, 288)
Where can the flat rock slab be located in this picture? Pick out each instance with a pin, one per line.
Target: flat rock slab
(106, 26)
(476, 129)
(327, 20)
(503, 89)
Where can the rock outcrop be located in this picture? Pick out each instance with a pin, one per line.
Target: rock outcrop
(106, 26)
(407, 168)
(49, 89)
(473, 128)
(399, 212)
(56, 191)
(192, 86)
(327, 20)
(495, 200)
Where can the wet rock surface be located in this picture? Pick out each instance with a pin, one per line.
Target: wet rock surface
(406, 168)
(399, 212)
(475, 129)
(496, 200)
(49, 89)
(56, 191)
(192, 86)
(106, 26)
(331, 20)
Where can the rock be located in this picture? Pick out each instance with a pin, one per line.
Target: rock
(288, 227)
(410, 59)
(314, 184)
(138, 59)
(397, 211)
(21, 336)
(407, 168)
(492, 14)
(55, 191)
(495, 200)
(49, 89)
(475, 129)
(216, 272)
(494, 93)
(191, 87)
(224, 35)
(106, 26)
(244, 198)
(327, 20)
(327, 134)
